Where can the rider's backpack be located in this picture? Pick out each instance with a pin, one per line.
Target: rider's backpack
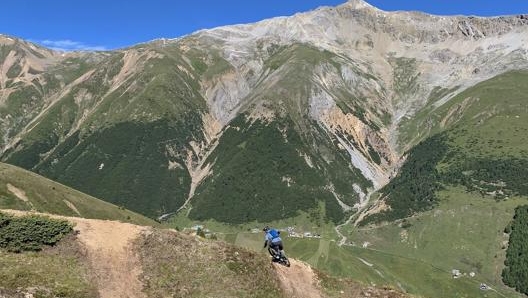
(274, 233)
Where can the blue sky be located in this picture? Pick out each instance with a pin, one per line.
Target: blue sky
(110, 24)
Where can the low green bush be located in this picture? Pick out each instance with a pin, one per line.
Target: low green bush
(30, 233)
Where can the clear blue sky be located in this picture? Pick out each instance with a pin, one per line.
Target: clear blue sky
(109, 24)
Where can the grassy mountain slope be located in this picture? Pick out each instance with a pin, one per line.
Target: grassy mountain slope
(464, 232)
(143, 262)
(260, 174)
(395, 263)
(204, 268)
(59, 271)
(461, 184)
(127, 165)
(487, 109)
(24, 190)
(35, 78)
(480, 143)
(132, 130)
(275, 154)
(116, 133)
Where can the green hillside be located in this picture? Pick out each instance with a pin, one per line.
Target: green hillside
(271, 169)
(60, 271)
(24, 190)
(464, 231)
(114, 142)
(492, 112)
(404, 268)
(458, 188)
(260, 174)
(33, 87)
(127, 122)
(481, 143)
(126, 165)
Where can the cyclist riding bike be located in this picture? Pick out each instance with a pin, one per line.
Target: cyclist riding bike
(273, 240)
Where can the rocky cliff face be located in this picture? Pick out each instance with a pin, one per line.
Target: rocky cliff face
(392, 59)
(340, 85)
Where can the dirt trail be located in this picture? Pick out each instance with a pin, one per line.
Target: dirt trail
(112, 257)
(299, 280)
(110, 254)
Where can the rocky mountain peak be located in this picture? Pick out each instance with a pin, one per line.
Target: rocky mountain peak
(358, 4)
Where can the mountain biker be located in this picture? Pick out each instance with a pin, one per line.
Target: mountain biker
(273, 240)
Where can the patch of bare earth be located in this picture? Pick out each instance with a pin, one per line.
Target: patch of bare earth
(377, 207)
(17, 192)
(20, 194)
(112, 258)
(71, 206)
(298, 280)
(108, 244)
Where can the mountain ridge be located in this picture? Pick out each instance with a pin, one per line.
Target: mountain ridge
(382, 131)
(348, 86)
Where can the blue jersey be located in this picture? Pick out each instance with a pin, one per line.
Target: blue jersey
(273, 236)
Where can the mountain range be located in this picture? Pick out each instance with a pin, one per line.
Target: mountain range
(393, 131)
(256, 121)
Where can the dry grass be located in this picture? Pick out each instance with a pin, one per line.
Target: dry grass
(58, 271)
(179, 265)
(346, 288)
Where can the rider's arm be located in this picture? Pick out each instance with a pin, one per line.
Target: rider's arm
(267, 239)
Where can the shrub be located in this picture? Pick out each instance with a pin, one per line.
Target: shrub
(30, 233)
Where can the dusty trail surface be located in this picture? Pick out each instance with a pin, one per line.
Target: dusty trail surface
(109, 248)
(298, 280)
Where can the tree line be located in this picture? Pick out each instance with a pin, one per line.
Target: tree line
(515, 274)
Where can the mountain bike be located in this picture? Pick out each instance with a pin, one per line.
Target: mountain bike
(283, 260)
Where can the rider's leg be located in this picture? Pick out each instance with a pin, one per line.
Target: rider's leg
(280, 249)
(276, 248)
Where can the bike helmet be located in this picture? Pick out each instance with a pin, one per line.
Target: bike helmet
(266, 228)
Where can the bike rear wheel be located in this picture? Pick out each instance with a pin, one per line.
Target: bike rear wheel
(272, 252)
(285, 262)
(277, 258)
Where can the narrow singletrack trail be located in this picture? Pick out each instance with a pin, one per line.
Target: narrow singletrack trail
(298, 280)
(110, 254)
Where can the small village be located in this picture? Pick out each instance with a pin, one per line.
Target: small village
(293, 232)
(455, 273)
